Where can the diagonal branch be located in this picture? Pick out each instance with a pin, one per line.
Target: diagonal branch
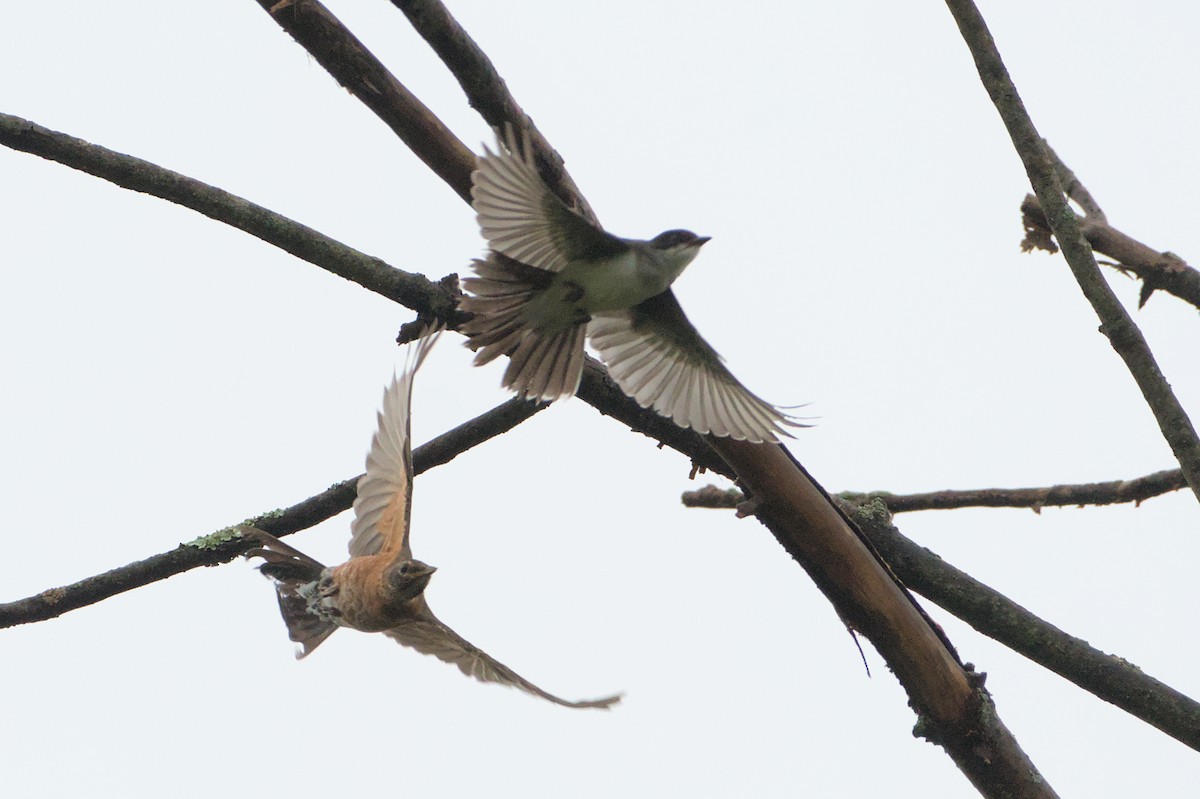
(487, 92)
(333, 46)
(345, 58)
(225, 545)
(1122, 333)
(1109, 677)
(1112, 492)
(954, 710)
(412, 290)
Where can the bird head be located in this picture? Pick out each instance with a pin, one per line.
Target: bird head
(678, 240)
(408, 578)
(675, 249)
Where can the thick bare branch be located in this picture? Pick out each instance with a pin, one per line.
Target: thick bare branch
(1109, 677)
(487, 92)
(955, 711)
(1112, 492)
(1116, 324)
(225, 545)
(344, 57)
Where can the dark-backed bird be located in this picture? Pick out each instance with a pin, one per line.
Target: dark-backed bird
(381, 588)
(552, 276)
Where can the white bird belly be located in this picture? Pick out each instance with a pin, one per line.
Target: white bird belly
(617, 283)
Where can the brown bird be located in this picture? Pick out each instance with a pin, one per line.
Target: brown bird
(381, 588)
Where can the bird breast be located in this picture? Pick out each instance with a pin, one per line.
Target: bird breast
(364, 600)
(621, 282)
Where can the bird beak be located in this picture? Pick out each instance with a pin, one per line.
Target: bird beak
(700, 240)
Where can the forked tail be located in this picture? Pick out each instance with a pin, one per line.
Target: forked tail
(543, 365)
(295, 576)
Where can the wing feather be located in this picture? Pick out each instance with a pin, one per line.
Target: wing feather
(428, 635)
(521, 218)
(662, 362)
(382, 507)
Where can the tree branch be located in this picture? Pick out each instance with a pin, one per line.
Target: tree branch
(225, 545)
(955, 711)
(1157, 270)
(1074, 187)
(409, 289)
(487, 92)
(1116, 324)
(345, 58)
(1112, 492)
(1109, 677)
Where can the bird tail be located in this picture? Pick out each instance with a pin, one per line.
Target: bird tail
(295, 576)
(543, 364)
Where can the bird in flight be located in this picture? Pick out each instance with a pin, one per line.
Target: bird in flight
(551, 277)
(381, 587)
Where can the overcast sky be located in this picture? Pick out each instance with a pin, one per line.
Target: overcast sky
(166, 376)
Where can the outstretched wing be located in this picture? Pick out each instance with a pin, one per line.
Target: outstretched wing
(522, 219)
(383, 504)
(661, 361)
(426, 634)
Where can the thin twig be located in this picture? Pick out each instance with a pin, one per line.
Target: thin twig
(225, 545)
(1122, 333)
(1109, 677)
(1112, 492)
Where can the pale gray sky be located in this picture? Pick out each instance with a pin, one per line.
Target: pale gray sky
(167, 376)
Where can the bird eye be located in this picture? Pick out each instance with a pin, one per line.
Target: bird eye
(404, 568)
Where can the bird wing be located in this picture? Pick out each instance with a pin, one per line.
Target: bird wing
(383, 505)
(428, 635)
(521, 218)
(660, 360)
